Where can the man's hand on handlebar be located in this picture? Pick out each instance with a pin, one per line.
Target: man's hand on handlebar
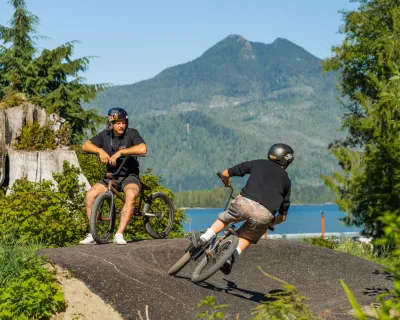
(104, 157)
(114, 158)
(225, 178)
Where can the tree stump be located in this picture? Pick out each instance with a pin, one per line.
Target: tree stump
(34, 165)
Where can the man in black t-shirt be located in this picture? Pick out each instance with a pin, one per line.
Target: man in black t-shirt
(116, 141)
(266, 192)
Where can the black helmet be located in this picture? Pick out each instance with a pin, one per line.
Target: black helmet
(115, 114)
(281, 153)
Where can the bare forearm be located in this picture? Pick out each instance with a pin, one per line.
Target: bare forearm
(139, 149)
(278, 219)
(90, 147)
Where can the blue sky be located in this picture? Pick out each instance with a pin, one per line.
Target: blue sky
(135, 40)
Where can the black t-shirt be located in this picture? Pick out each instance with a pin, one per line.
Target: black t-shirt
(268, 184)
(111, 144)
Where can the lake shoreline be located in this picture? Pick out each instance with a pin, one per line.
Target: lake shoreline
(294, 204)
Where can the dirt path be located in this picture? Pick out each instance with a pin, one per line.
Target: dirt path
(82, 304)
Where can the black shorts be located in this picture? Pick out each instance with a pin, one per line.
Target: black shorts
(123, 181)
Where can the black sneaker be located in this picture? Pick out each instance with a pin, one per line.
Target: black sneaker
(195, 238)
(227, 266)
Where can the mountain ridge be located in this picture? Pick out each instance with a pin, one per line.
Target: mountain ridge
(262, 93)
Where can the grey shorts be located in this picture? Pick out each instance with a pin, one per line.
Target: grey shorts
(257, 217)
(123, 181)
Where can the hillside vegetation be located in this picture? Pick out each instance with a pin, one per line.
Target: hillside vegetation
(229, 105)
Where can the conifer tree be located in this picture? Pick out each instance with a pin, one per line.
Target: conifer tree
(369, 60)
(49, 78)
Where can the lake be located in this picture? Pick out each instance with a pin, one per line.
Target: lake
(301, 219)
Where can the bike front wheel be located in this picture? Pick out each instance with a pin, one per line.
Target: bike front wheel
(102, 218)
(184, 260)
(158, 215)
(210, 264)
(180, 264)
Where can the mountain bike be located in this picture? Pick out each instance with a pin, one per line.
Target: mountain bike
(156, 209)
(213, 255)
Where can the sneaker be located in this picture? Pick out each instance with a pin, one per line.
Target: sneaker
(119, 239)
(88, 240)
(196, 241)
(227, 267)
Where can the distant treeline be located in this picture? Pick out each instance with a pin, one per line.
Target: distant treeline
(217, 198)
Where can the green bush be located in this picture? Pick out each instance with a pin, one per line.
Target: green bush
(13, 257)
(211, 310)
(36, 212)
(27, 290)
(34, 137)
(365, 251)
(33, 295)
(318, 241)
(389, 302)
(89, 165)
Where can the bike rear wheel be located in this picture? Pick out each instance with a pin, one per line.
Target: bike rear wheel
(102, 218)
(162, 210)
(210, 265)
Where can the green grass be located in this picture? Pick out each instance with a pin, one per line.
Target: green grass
(364, 251)
(358, 249)
(12, 258)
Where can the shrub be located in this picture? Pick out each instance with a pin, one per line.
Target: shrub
(27, 290)
(325, 243)
(365, 251)
(34, 137)
(33, 295)
(36, 212)
(211, 310)
(13, 257)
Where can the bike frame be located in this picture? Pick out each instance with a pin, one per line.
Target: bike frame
(215, 241)
(112, 185)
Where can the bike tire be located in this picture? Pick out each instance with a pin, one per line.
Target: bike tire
(160, 226)
(102, 224)
(226, 249)
(180, 264)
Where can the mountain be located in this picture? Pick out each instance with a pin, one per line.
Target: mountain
(229, 105)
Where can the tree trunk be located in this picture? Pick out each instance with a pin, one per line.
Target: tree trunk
(34, 165)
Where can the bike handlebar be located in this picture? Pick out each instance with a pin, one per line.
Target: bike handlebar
(219, 174)
(124, 158)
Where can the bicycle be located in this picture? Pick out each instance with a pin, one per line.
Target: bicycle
(157, 209)
(213, 255)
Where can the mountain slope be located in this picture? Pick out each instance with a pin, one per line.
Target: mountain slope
(229, 105)
(234, 67)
